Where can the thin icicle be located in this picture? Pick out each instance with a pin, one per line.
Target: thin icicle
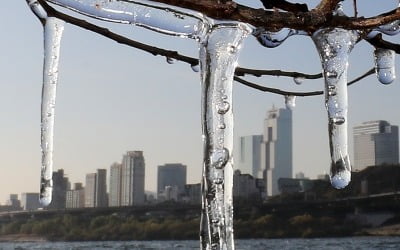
(334, 47)
(154, 16)
(385, 65)
(53, 30)
(218, 59)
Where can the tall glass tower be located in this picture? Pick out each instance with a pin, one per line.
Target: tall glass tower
(276, 156)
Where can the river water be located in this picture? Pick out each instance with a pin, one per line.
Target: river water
(361, 243)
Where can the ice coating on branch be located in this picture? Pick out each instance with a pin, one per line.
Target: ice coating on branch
(37, 9)
(334, 46)
(218, 59)
(274, 39)
(290, 101)
(385, 65)
(158, 17)
(390, 29)
(53, 30)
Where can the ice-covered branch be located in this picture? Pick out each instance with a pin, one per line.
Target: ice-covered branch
(378, 42)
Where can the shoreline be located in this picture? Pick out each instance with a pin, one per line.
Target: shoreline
(22, 238)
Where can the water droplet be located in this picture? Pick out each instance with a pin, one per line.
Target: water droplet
(339, 120)
(385, 65)
(290, 101)
(331, 90)
(390, 29)
(195, 68)
(340, 173)
(298, 80)
(223, 107)
(219, 158)
(218, 181)
(222, 126)
(170, 60)
(273, 39)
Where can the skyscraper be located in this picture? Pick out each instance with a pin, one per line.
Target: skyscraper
(375, 143)
(249, 158)
(60, 187)
(101, 188)
(96, 189)
(115, 185)
(90, 190)
(276, 156)
(132, 188)
(173, 175)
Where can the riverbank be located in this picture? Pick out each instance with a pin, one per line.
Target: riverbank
(22, 238)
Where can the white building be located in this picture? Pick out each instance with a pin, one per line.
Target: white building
(30, 201)
(90, 190)
(249, 155)
(375, 143)
(276, 156)
(115, 185)
(132, 188)
(75, 198)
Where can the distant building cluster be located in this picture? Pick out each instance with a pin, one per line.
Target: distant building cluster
(264, 168)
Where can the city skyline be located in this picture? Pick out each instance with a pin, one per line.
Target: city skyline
(112, 98)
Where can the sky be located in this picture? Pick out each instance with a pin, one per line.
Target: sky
(112, 99)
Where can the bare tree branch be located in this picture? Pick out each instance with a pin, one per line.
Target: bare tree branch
(303, 94)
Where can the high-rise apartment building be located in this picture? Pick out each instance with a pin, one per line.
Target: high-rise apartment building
(101, 188)
(60, 186)
(132, 188)
(249, 155)
(171, 175)
(115, 185)
(96, 189)
(90, 190)
(375, 143)
(276, 154)
(76, 197)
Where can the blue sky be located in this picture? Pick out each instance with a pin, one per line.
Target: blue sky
(112, 98)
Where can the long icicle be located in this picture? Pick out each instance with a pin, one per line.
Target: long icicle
(218, 60)
(334, 47)
(53, 29)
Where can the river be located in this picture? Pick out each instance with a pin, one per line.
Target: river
(359, 243)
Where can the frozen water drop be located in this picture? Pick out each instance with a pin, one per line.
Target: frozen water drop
(340, 173)
(298, 80)
(223, 107)
(219, 158)
(290, 101)
(339, 120)
(390, 29)
(222, 126)
(385, 65)
(170, 60)
(274, 39)
(331, 90)
(195, 67)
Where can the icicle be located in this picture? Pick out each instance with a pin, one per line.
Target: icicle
(53, 30)
(290, 101)
(274, 39)
(154, 16)
(334, 47)
(218, 59)
(385, 65)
